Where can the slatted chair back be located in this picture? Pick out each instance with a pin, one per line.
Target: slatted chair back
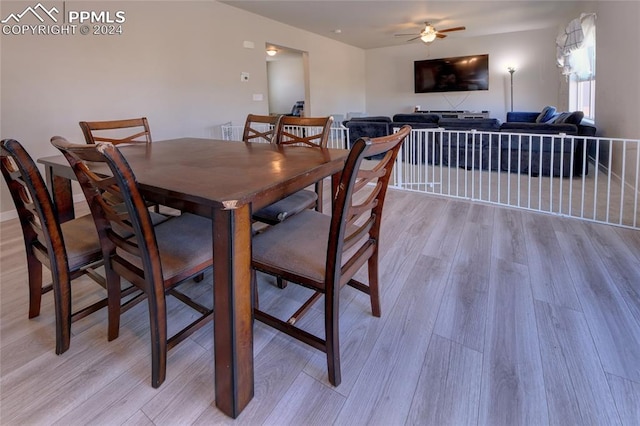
(260, 128)
(117, 131)
(357, 213)
(154, 258)
(45, 241)
(116, 204)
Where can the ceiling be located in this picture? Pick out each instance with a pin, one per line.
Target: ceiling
(372, 23)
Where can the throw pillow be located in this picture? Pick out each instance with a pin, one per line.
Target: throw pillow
(546, 114)
(570, 118)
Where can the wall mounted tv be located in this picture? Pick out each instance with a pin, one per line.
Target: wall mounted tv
(459, 74)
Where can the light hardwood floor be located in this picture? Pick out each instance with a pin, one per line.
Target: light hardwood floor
(490, 316)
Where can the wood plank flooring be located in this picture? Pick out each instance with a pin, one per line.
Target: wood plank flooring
(490, 316)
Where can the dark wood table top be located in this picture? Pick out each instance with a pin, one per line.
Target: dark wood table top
(222, 174)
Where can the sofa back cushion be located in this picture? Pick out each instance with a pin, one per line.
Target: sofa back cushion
(484, 124)
(416, 118)
(414, 125)
(378, 119)
(371, 129)
(542, 128)
(522, 116)
(569, 118)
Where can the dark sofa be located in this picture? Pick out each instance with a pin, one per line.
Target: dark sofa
(371, 127)
(550, 156)
(549, 120)
(494, 146)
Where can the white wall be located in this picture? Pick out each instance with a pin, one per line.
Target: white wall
(390, 74)
(286, 84)
(617, 64)
(178, 63)
(617, 79)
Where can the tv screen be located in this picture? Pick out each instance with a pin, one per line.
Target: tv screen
(459, 74)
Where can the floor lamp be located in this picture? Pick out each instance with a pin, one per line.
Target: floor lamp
(511, 71)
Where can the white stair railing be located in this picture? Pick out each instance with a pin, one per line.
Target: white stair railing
(510, 169)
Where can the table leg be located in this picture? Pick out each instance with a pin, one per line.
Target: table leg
(233, 314)
(60, 190)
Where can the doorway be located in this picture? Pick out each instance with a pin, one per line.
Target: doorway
(287, 80)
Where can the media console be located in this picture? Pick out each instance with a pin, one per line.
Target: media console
(458, 114)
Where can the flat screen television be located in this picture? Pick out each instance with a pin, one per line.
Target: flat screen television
(458, 74)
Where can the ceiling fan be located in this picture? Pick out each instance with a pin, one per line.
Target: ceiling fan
(429, 33)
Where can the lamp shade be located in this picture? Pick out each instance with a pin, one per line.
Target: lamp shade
(428, 38)
(428, 34)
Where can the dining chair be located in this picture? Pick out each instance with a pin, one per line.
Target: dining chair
(119, 131)
(260, 128)
(324, 252)
(155, 259)
(97, 131)
(305, 131)
(69, 250)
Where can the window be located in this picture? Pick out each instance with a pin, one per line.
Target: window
(582, 80)
(578, 59)
(576, 55)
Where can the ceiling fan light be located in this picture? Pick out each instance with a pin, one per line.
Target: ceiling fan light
(428, 37)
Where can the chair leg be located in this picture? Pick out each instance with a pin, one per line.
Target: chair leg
(374, 291)
(158, 329)
(280, 283)
(113, 303)
(332, 341)
(34, 268)
(254, 289)
(62, 301)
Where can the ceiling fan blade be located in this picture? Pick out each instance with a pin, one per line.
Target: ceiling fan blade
(440, 35)
(415, 38)
(405, 35)
(452, 29)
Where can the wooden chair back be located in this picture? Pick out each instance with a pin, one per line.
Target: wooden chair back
(357, 212)
(97, 131)
(308, 131)
(36, 211)
(118, 209)
(260, 128)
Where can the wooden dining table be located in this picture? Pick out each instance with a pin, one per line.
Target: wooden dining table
(225, 181)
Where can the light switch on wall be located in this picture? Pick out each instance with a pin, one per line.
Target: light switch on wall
(258, 97)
